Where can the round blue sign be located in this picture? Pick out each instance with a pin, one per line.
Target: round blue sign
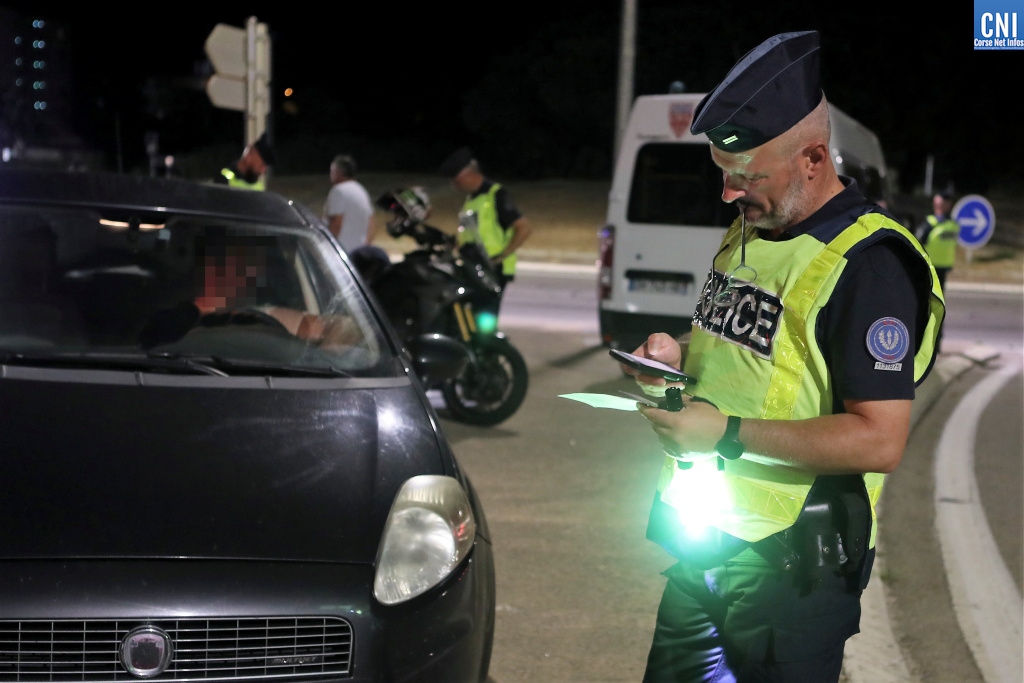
(977, 220)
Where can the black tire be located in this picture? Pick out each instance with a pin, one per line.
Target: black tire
(491, 388)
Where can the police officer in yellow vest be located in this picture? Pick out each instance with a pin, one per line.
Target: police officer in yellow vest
(249, 171)
(816, 323)
(503, 227)
(938, 233)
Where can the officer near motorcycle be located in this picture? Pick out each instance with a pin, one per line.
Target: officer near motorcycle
(249, 171)
(503, 227)
(816, 323)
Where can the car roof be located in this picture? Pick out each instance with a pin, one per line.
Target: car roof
(127, 191)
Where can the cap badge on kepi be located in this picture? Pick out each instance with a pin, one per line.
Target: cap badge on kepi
(680, 115)
(146, 652)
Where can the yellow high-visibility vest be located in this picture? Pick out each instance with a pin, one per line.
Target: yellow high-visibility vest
(234, 180)
(941, 241)
(765, 363)
(495, 238)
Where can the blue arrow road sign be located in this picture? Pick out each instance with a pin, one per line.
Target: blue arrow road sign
(977, 220)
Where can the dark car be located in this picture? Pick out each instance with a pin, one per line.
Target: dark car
(217, 462)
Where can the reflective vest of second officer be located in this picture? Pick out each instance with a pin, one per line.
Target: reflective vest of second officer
(940, 242)
(495, 238)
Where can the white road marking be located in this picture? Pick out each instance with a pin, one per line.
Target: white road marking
(986, 600)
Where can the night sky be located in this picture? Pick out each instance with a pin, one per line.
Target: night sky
(453, 72)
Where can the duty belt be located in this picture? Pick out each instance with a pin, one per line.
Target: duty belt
(829, 537)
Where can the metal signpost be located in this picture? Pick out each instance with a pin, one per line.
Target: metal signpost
(977, 220)
(241, 59)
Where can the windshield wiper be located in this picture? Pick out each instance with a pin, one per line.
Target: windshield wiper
(131, 361)
(162, 360)
(256, 366)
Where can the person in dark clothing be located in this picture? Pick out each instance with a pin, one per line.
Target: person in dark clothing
(938, 233)
(816, 323)
(503, 227)
(249, 171)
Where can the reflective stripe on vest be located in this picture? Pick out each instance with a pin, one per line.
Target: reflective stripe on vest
(495, 238)
(766, 364)
(941, 241)
(235, 181)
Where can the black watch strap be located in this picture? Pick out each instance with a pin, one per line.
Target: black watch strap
(729, 446)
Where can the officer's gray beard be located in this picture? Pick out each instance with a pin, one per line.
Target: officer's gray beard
(785, 213)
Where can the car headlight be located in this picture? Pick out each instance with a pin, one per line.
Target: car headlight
(429, 531)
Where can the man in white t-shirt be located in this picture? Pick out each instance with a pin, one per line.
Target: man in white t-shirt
(348, 209)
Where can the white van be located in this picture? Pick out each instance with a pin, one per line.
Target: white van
(666, 217)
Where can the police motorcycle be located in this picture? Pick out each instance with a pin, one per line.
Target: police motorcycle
(448, 286)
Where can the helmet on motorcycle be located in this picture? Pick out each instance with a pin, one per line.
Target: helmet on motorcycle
(414, 201)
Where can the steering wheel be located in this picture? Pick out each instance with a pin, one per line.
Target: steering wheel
(241, 316)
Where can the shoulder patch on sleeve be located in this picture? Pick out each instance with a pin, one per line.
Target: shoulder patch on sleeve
(888, 342)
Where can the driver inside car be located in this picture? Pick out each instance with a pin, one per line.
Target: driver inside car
(234, 286)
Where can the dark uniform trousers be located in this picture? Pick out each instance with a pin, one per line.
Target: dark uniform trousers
(748, 621)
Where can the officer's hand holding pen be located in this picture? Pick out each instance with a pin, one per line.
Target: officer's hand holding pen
(689, 434)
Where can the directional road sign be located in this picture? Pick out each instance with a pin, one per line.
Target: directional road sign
(226, 93)
(226, 48)
(241, 62)
(977, 221)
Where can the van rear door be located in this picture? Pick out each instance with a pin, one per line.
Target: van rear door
(665, 221)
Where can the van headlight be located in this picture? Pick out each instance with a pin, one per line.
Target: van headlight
(429, 531)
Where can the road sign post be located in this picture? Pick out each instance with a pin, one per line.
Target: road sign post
(241, 60)
(977, 220)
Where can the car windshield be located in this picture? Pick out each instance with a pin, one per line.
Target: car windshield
(113, 288)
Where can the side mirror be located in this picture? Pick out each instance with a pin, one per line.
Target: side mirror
(437, 358)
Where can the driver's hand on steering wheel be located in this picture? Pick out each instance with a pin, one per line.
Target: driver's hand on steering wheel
(327, 331)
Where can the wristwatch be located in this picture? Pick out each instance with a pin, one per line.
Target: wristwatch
(729, 446)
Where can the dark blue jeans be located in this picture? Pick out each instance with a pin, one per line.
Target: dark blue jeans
(747, 621)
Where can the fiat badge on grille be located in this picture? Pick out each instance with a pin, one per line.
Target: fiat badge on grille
(146, 652)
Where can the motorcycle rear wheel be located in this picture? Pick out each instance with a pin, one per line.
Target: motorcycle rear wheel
(491, 388)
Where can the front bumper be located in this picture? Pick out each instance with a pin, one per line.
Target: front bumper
(242, 620)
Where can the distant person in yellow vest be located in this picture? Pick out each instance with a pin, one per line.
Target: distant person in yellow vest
(816, 323)
(938, 233)
(250, 170)
(503, 227)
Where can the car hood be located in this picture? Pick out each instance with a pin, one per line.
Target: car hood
(121, 470)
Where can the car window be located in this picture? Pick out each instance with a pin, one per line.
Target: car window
(92, 282)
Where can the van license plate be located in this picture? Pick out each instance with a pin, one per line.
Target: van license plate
(660, 286)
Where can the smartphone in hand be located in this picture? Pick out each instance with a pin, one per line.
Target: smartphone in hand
(651, 368)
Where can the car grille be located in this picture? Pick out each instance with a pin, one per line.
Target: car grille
(204, 649)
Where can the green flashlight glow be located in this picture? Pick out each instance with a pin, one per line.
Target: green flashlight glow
(699, 495)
